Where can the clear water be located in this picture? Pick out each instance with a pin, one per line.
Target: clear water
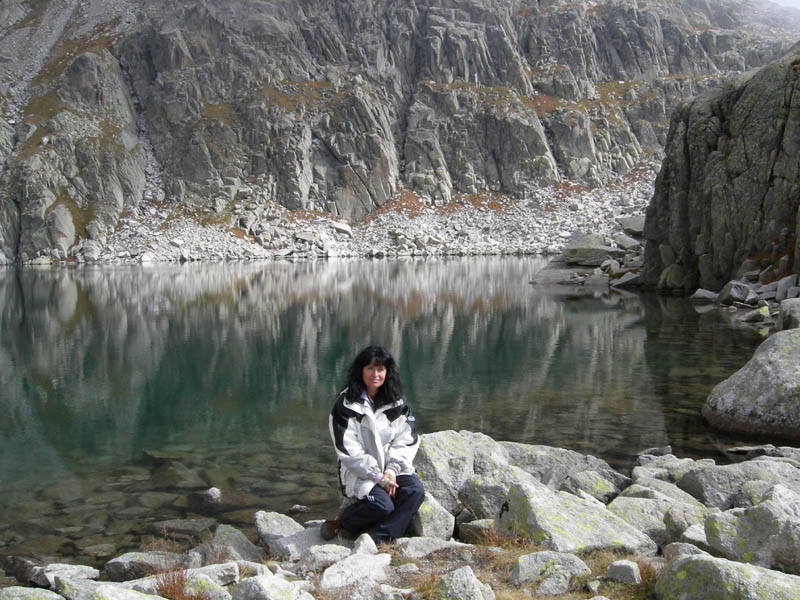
(125, 388)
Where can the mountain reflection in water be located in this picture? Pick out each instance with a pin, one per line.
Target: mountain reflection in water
(225, 373)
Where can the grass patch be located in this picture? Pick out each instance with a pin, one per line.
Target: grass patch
(80, 216)
(66, 50)
(221, 111)
(36, 10)
(294, 95)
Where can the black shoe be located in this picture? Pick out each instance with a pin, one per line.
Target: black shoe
(330, 528)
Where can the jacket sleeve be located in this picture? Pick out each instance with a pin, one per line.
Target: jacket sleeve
(343, 425)
(404, 445)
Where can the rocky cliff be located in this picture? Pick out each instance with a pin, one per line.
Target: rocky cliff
(111, 105)
(727, 199)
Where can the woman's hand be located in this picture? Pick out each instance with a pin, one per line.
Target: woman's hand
(389, 483)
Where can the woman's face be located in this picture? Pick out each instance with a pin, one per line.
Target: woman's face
(373, 376)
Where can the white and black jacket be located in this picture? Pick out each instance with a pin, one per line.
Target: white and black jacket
(368, 442)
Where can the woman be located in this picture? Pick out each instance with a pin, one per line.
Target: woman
(375, 438)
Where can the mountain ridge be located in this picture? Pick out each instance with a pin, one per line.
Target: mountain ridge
(337, 107)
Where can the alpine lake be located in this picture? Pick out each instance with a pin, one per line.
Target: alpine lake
(126, 389)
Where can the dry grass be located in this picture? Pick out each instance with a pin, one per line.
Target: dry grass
(171, 584)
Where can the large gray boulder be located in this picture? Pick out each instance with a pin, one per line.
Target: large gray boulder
(562, 522)
(444, 462)
(719, 579)
(764, 395)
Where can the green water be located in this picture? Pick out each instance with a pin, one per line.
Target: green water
(230, 370)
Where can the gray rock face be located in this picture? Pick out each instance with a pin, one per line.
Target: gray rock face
(764, 395)
(337, 106)
(719, 579)
(700, 210)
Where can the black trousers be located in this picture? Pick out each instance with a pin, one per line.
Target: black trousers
(384, 518)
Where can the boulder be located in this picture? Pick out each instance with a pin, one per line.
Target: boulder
(419, 547)
(272, 525)
(644, 514)
(364, 544)
(552, 466)
(717, 486)
(734, 291)
(230, 544)
(356, 567)
(667, 467)
(45, 576)
(647, 487)
(114, 592)
(444, 462)
(552, 572)
(135, 565)
(589, 250)
(293, 547)
(764, 395)
(680, 517)
(17, 592)
(474, 532)
(560, 521)
(483, 495)
(767, 534)
(432, 520)
(462, 584)
(592, 483)
(78, 589)
(709, 578)
(633, 226)
(317, 558)
(268, 587)
(789, 317)
(624, 571)
(702, 296)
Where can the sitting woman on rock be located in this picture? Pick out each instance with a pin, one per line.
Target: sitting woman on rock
(375, 438)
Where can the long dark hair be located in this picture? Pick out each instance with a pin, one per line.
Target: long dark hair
(390, 391)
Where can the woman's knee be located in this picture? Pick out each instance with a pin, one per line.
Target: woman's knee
(411, 485)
